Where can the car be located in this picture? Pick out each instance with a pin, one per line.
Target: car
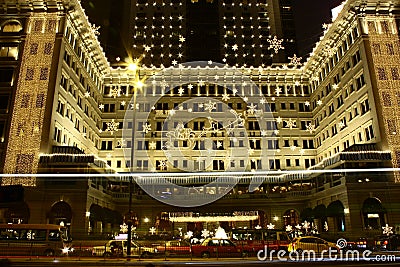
(212, 247)
(359, 244)
(385, 242)
(174, 247)
(311, 243)
(118, 248)
(255, 240)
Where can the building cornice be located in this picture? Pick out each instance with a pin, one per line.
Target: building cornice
(71, 8)
(351, 10)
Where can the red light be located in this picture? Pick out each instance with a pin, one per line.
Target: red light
(386, 242)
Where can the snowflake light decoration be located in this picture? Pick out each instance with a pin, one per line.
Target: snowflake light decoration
(275, 44)
(387, 230)
(295, 61)
(152, 230)
(289, 228)
(306, 225)
(290, 124)
(164, 84)
(95, 29)
(189, 235)
(210, 106)
(114, 92)
(251, 109)
(225, 97)
(162, 165)
(310, 128)
(30, 235)
(123, 228)
(146, 128)
(205, 233)
(121, 142)
(112, 126)
(152, 145)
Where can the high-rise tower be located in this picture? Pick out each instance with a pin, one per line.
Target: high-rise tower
(235, 32)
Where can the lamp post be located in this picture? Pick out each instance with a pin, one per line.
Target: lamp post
(137, 85)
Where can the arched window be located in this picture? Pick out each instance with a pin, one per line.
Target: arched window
(11, 26)
(373, 213)
(60, 212)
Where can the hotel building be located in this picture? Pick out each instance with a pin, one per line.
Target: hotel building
(180, 127)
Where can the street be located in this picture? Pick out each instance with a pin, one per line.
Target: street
(61, 262)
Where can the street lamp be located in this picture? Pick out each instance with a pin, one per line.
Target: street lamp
(138, 84)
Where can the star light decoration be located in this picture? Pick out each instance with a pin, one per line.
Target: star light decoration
(275, 44)
(270, 226)
(387, 230)
(289, 228)
(112, 126)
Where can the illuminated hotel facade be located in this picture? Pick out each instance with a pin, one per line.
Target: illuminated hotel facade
(69, 111)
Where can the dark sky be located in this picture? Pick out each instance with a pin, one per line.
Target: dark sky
(309, 16)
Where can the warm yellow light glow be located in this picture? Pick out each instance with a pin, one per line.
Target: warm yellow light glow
(139, 84)
(133, 66)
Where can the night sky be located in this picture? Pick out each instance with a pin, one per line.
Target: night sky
(309, 17)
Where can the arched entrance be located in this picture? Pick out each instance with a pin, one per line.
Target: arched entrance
(60, 212)
(320, 218)
(373, 214)
(335, 210)
(96, 219)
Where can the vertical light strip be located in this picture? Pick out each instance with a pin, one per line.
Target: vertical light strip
(23, 146)
(385, 52)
